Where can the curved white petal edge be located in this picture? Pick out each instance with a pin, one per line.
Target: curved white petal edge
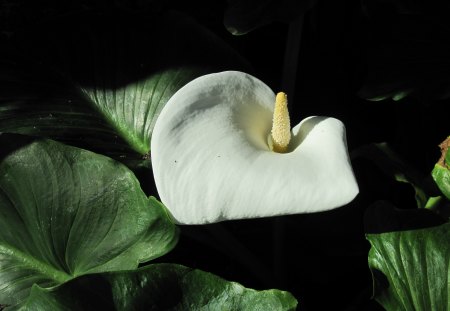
(211, 161)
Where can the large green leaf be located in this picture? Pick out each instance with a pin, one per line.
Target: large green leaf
(65, 212)
(411, 268)
(99, 80)
(158, 287)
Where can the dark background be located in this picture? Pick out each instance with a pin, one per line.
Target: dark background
(320, 258)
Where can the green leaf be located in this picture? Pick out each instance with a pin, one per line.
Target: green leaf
(99, 81)
(65, 212)
(411, 269)
(168, 287)
(195, 289)
(441, 171)
(441, 176)
(41, 299)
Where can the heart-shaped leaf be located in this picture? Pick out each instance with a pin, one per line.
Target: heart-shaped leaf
(411, 268)
(99, 81)
(66, 212)
(168, 287)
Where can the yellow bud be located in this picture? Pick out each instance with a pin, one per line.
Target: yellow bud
(281, 126)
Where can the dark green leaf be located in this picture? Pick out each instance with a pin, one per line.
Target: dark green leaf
(162, 287)
(66, 212)
(411, 269)
(191, 289)
(40, 299)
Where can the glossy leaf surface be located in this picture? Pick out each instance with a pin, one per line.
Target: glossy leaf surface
(65, 212)
(159, 287)
(411, 268)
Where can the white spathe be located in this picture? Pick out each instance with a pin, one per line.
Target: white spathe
(211, 160)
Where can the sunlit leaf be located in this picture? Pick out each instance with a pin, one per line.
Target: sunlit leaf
(99, 80)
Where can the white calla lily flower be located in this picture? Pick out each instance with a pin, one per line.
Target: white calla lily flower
(214, 156)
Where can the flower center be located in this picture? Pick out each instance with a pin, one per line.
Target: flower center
(280, 135)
